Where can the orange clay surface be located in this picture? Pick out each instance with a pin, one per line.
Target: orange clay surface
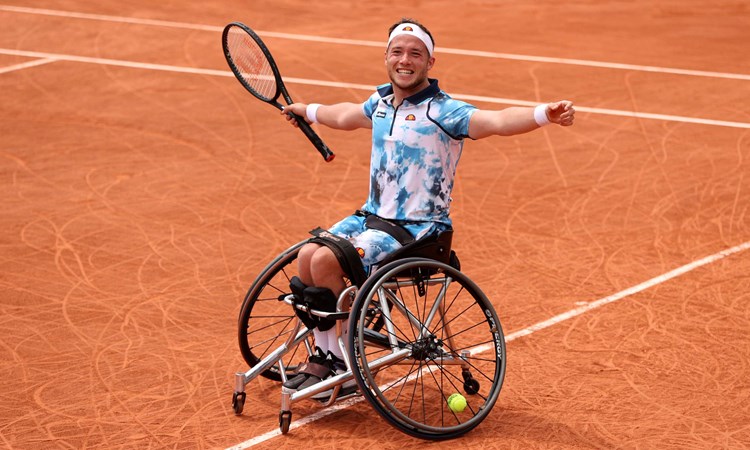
(139, 204)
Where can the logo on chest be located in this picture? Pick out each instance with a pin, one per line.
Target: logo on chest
(410, 118)
(380, 114)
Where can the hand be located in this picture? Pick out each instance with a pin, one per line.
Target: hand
(561, 113)
(297, 108)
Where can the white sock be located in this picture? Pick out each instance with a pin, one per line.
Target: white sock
(333, 342)
(321, 339)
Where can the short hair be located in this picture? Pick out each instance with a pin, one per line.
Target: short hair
(409, 20)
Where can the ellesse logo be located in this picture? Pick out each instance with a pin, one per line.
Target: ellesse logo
(410, 117)
(407, 28)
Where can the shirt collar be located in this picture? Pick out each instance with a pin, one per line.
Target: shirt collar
(428, 92)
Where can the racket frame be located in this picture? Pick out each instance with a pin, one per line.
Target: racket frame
(327, 154)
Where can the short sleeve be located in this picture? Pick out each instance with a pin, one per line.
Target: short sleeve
(453, 117)
(370, 105)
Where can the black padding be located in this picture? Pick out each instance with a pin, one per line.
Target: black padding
(297, 287)
(321, 299)
(298, 290)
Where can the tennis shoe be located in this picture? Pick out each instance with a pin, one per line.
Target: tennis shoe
(320, 367)
(338, 367)
(316, 364)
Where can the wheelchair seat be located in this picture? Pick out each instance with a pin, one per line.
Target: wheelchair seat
(435, 246)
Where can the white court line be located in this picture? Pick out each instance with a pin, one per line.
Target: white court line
(28, 64)
(365, 87)
(518, 334)
(377, 44)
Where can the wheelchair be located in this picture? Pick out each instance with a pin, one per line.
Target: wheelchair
(419, 330)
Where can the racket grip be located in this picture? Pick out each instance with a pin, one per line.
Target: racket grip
(314, 138)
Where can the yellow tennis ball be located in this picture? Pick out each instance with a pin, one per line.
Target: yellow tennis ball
(457, 402)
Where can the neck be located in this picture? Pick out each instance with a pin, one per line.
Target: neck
(399, 94)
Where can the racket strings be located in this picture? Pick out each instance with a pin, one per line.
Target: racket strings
(252, 64)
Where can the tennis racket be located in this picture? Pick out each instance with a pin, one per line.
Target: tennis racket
(254, 67)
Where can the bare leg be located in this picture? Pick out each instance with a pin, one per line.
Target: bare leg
(303, 262)
(326, 271)
(319, 267)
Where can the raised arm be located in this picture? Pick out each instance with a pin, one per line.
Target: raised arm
(518, 120)
(340, 116)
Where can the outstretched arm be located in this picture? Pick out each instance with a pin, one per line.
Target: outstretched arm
(518, 120)
(341, 116)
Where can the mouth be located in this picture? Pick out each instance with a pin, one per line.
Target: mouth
(404, 72)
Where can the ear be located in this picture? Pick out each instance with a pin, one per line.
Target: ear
(430, 62)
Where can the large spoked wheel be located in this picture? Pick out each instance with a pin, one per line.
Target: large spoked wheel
(440, 336)
(265, 322)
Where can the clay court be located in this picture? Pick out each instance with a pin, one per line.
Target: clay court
(143, 189)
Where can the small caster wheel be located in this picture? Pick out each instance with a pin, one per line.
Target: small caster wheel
(285, 420)
(238, 402)
(471, 386)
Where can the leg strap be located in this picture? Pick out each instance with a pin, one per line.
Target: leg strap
(311, 368)
(396, 230)
(345, 252)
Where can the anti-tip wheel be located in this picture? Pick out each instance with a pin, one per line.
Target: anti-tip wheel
(238, 402)
(285, 421)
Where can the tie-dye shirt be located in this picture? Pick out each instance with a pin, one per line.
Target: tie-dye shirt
(415, 149)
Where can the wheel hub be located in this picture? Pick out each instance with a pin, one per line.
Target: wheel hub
(426, 348)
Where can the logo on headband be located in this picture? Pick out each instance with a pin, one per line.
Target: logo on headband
(415, 31)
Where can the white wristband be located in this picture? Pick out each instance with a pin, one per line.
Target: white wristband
(312, 112)
(540, 115)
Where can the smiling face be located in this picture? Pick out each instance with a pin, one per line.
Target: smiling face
(407, 62)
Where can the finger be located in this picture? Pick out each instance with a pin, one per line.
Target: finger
(290, 118)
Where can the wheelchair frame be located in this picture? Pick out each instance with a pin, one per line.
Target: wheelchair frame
(389, 335)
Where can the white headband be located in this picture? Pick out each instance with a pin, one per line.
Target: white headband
(412, 30)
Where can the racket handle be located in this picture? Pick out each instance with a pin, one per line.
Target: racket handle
(314, 138)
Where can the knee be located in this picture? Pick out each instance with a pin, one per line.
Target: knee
(306, 253)
(325, 263)
(304, 256)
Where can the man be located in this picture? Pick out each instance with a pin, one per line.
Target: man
(418, 133)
